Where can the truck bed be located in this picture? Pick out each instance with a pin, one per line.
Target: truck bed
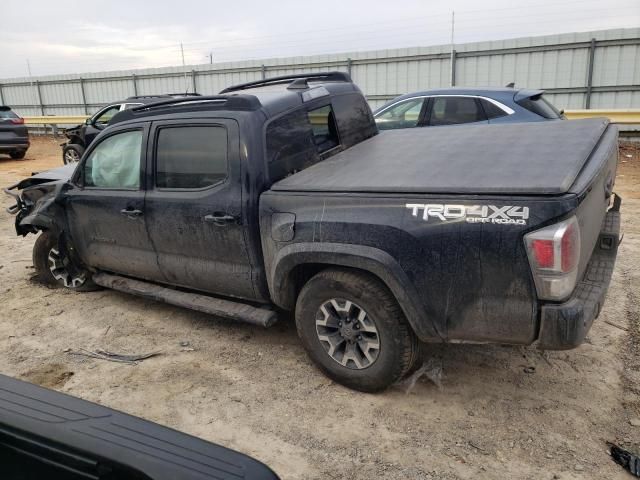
(542, 158)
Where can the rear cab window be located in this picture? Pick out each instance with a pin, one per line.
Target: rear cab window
(191, 156)
(540, 106)
(298, 139)
(325, 130)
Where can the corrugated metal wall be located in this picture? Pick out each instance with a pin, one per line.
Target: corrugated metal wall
(579, 70)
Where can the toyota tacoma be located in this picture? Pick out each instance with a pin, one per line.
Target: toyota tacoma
(280, 196)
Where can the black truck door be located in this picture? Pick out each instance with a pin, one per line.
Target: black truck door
(194, 206)
(105, 206)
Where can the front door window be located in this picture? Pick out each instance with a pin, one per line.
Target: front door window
(115, 162)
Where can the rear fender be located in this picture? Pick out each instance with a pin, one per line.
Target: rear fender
(283, 288)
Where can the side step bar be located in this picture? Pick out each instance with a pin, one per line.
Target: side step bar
(202, 303)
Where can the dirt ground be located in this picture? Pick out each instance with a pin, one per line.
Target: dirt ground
(499, 412)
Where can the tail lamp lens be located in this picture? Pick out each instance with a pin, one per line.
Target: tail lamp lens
(554, 254)
(17, 121)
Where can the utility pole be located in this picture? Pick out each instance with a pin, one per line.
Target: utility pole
(186, 83)
(453, 52)
(210, 58)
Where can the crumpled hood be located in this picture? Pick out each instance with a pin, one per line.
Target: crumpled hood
(61, 173)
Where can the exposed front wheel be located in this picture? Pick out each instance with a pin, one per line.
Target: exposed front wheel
(71, 153)
(354, 330)
(18, 155)
(54, 267)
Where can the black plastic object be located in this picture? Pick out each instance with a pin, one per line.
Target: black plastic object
(625, 459)
(46, 434)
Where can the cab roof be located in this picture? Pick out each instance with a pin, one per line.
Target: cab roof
(272, 95)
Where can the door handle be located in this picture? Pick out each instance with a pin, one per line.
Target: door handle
(220, 219)
(131, 213)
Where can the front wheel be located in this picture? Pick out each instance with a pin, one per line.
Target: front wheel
(54, 267)
(71, 153)
(353, 329)
(18, 155)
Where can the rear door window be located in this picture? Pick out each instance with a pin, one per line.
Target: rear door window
(540, 106)
(191, 157)
(455, 110)
(404, 114)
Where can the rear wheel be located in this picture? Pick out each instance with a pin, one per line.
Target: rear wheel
(18, 155)
(54, 267)
(353, 329)
(71, 153)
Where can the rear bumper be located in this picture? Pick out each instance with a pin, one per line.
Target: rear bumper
(16, 144)
(564, 326)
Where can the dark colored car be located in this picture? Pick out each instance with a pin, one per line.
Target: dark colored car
(49, 435)
(81, 136)
(280, 195)
(14, 136)
(454, 106)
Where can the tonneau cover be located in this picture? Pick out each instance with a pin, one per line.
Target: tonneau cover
(524, 158)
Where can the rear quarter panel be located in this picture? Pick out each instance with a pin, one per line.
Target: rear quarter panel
(472, 280)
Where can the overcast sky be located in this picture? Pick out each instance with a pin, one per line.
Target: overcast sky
(65, 36)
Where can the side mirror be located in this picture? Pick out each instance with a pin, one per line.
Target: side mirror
(87, 121)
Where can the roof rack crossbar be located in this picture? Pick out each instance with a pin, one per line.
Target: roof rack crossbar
(296, 78)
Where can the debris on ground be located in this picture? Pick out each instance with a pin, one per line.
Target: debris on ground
(114, 357)
(431, 369)
(625, 459)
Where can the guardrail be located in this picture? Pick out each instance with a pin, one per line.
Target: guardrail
(619, 116)
(55, 120)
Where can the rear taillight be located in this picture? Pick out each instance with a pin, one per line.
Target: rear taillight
(554, 253)
(17, 121)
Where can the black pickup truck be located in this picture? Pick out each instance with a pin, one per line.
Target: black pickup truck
(280, 195)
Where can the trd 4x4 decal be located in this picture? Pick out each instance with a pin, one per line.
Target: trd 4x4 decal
(504, 215)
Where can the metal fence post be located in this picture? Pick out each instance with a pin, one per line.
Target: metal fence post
(453, 68)
(349, 66)
(263, 69)
(84, 98)
(39, 98)
(193, 81)
(135, 85)
(40, 104)
(592, 55)
(1, 96)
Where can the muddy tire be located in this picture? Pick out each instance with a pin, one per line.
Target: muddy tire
(54, 268)
(18, 155)
(353, 329)
(72, 153)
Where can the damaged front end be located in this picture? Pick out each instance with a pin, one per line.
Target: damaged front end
(36, 207)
